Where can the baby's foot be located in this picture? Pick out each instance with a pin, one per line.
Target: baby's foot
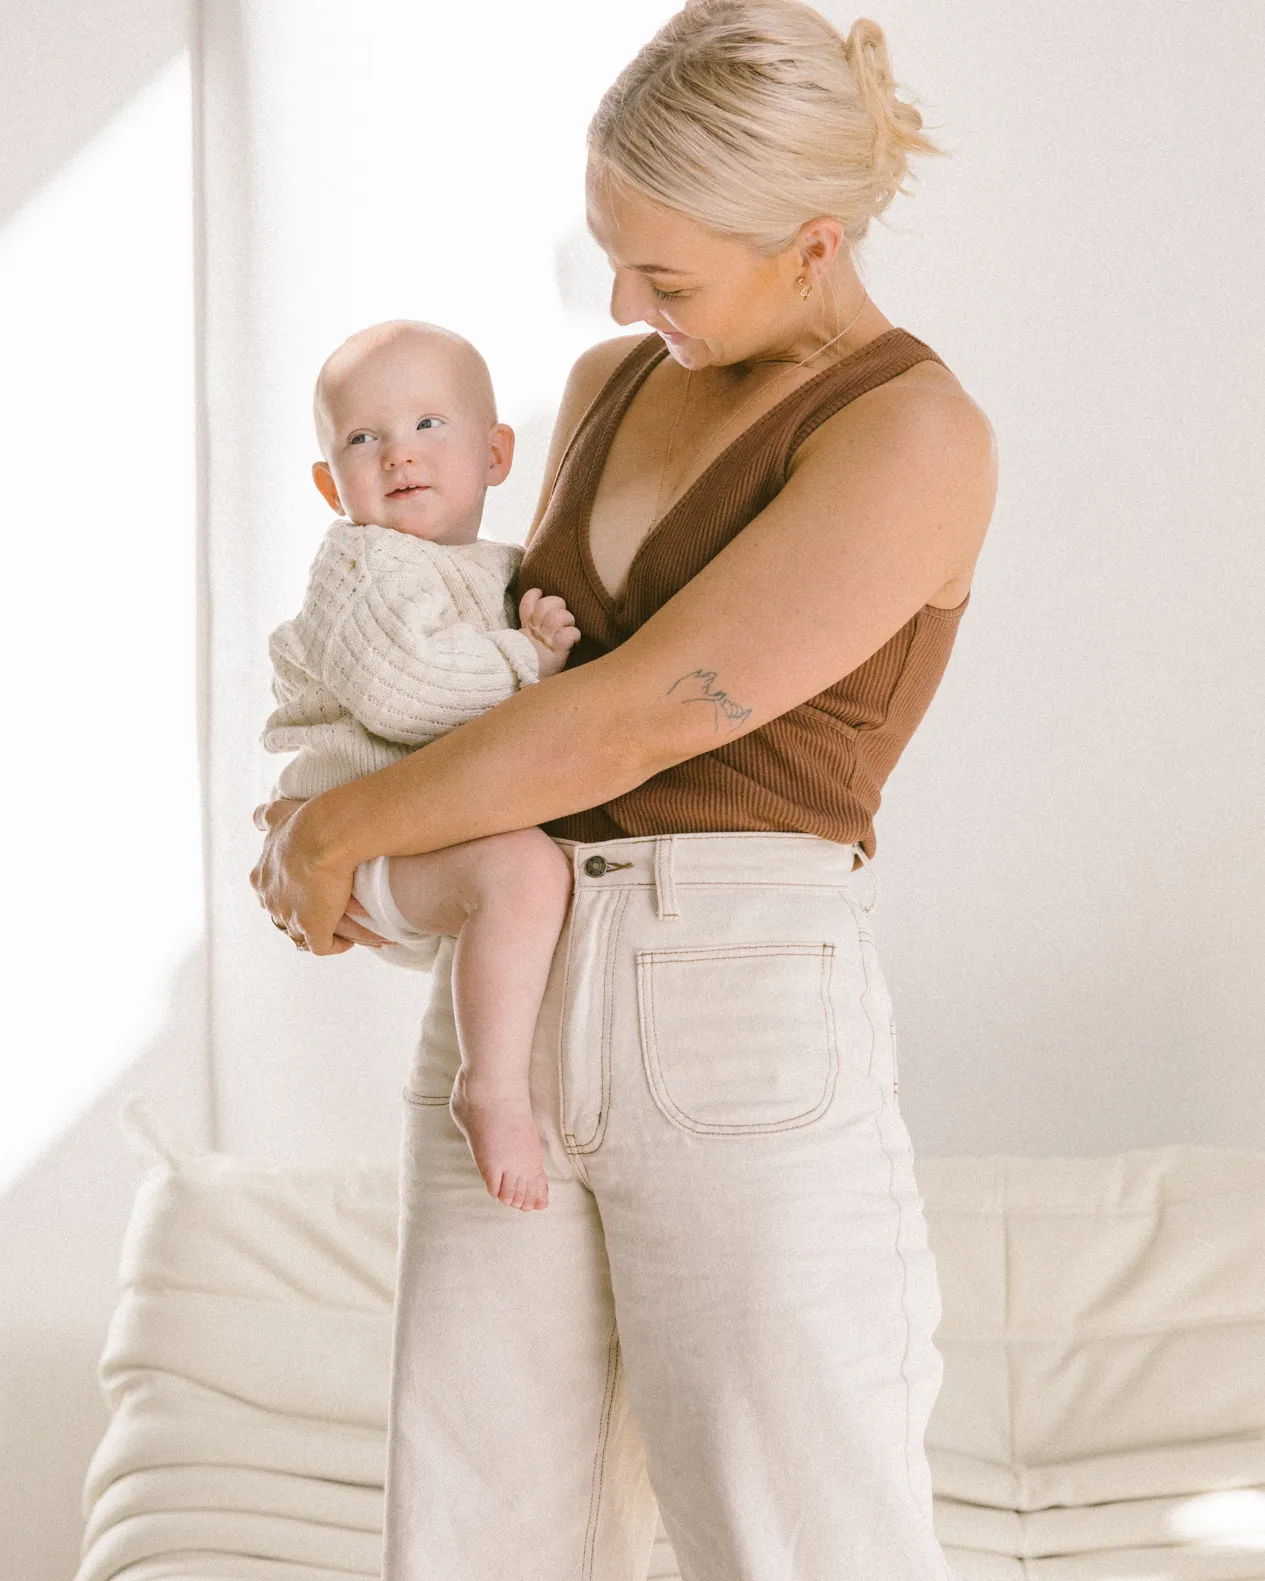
(496, 1120)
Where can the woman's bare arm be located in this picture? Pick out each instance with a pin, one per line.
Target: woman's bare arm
(886, 502)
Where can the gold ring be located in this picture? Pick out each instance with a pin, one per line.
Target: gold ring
(280, 925)
(300, 944)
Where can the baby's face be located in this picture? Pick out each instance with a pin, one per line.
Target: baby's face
(410, 440)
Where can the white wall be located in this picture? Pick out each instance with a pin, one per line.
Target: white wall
(1073, 924)
(103, 945)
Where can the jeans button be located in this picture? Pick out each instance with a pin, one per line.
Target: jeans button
(595, 866)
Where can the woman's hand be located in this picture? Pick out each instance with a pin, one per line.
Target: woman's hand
(304, 897)
(355, 926)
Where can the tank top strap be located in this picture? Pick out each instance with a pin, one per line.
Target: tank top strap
(782, 428)
(875, 363)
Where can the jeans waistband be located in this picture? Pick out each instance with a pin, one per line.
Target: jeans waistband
(731, 858)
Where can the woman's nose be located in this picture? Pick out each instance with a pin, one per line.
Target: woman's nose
(630, 298)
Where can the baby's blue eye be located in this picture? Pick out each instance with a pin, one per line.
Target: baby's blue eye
(357, 439)
(427, 422)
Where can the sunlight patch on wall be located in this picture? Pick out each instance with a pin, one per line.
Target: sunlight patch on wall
(100, 799)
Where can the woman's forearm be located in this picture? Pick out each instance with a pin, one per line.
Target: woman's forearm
(556, 747)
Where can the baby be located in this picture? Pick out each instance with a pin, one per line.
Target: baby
(406, 631)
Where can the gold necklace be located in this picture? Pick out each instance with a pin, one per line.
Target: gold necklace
(708, 438)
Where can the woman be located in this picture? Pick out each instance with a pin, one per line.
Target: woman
(730, 1299)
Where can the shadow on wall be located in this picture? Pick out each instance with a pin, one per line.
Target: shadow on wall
(66, 69)
(61, 1228)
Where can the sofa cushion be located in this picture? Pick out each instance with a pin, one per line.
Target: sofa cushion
(1102, 1414)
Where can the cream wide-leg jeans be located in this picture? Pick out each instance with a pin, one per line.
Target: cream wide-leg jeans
(728, 1304)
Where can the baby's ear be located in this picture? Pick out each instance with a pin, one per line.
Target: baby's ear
(324, 480)
(500, 453)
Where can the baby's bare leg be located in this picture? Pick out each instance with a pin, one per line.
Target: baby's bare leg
(505, 897)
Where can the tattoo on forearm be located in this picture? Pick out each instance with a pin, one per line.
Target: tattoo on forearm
(699, 686)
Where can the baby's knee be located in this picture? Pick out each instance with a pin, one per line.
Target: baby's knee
(525, 864)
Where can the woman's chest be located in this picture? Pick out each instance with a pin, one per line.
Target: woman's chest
(630, 491)
(673, 433)
(615, 570)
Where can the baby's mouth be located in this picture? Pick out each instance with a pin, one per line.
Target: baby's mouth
(407, 488)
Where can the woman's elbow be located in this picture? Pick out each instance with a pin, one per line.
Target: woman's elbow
(623, 725)
(646, 740)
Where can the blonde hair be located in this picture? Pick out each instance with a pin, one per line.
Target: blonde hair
(753, 116)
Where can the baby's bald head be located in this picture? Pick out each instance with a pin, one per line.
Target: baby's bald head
(389, 350)
(408, 431)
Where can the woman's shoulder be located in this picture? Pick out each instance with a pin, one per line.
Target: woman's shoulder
(916, 438)
(593, 368)
(923, 405)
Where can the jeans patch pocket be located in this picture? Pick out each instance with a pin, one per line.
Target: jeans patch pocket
(739, 1039)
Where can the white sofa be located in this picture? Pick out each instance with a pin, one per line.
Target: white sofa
(1102, 1416)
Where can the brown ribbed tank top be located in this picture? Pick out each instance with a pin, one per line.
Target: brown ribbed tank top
(819, 768)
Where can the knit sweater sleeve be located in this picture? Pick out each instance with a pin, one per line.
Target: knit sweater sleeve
(387, 647)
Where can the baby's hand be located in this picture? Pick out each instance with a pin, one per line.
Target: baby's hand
(551, 627)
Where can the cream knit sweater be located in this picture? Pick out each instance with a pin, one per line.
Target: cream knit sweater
(399, 640)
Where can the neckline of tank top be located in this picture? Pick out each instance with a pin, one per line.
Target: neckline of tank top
(615, 607)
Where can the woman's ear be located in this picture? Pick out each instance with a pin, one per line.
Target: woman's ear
(819, 242)
(324, 480)
(500, 453)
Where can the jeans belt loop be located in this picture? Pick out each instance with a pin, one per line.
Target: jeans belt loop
(665, 879)
(874, 886)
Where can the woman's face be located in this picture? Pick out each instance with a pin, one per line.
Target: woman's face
(714, 299)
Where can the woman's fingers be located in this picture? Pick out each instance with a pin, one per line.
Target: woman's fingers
(337, 946)
(354, 932)
(271, 813)
(299, 893)
(355, 926)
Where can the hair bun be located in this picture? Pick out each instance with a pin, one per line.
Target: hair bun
(753, 116)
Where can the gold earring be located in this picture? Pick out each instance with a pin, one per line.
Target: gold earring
(805, 287)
